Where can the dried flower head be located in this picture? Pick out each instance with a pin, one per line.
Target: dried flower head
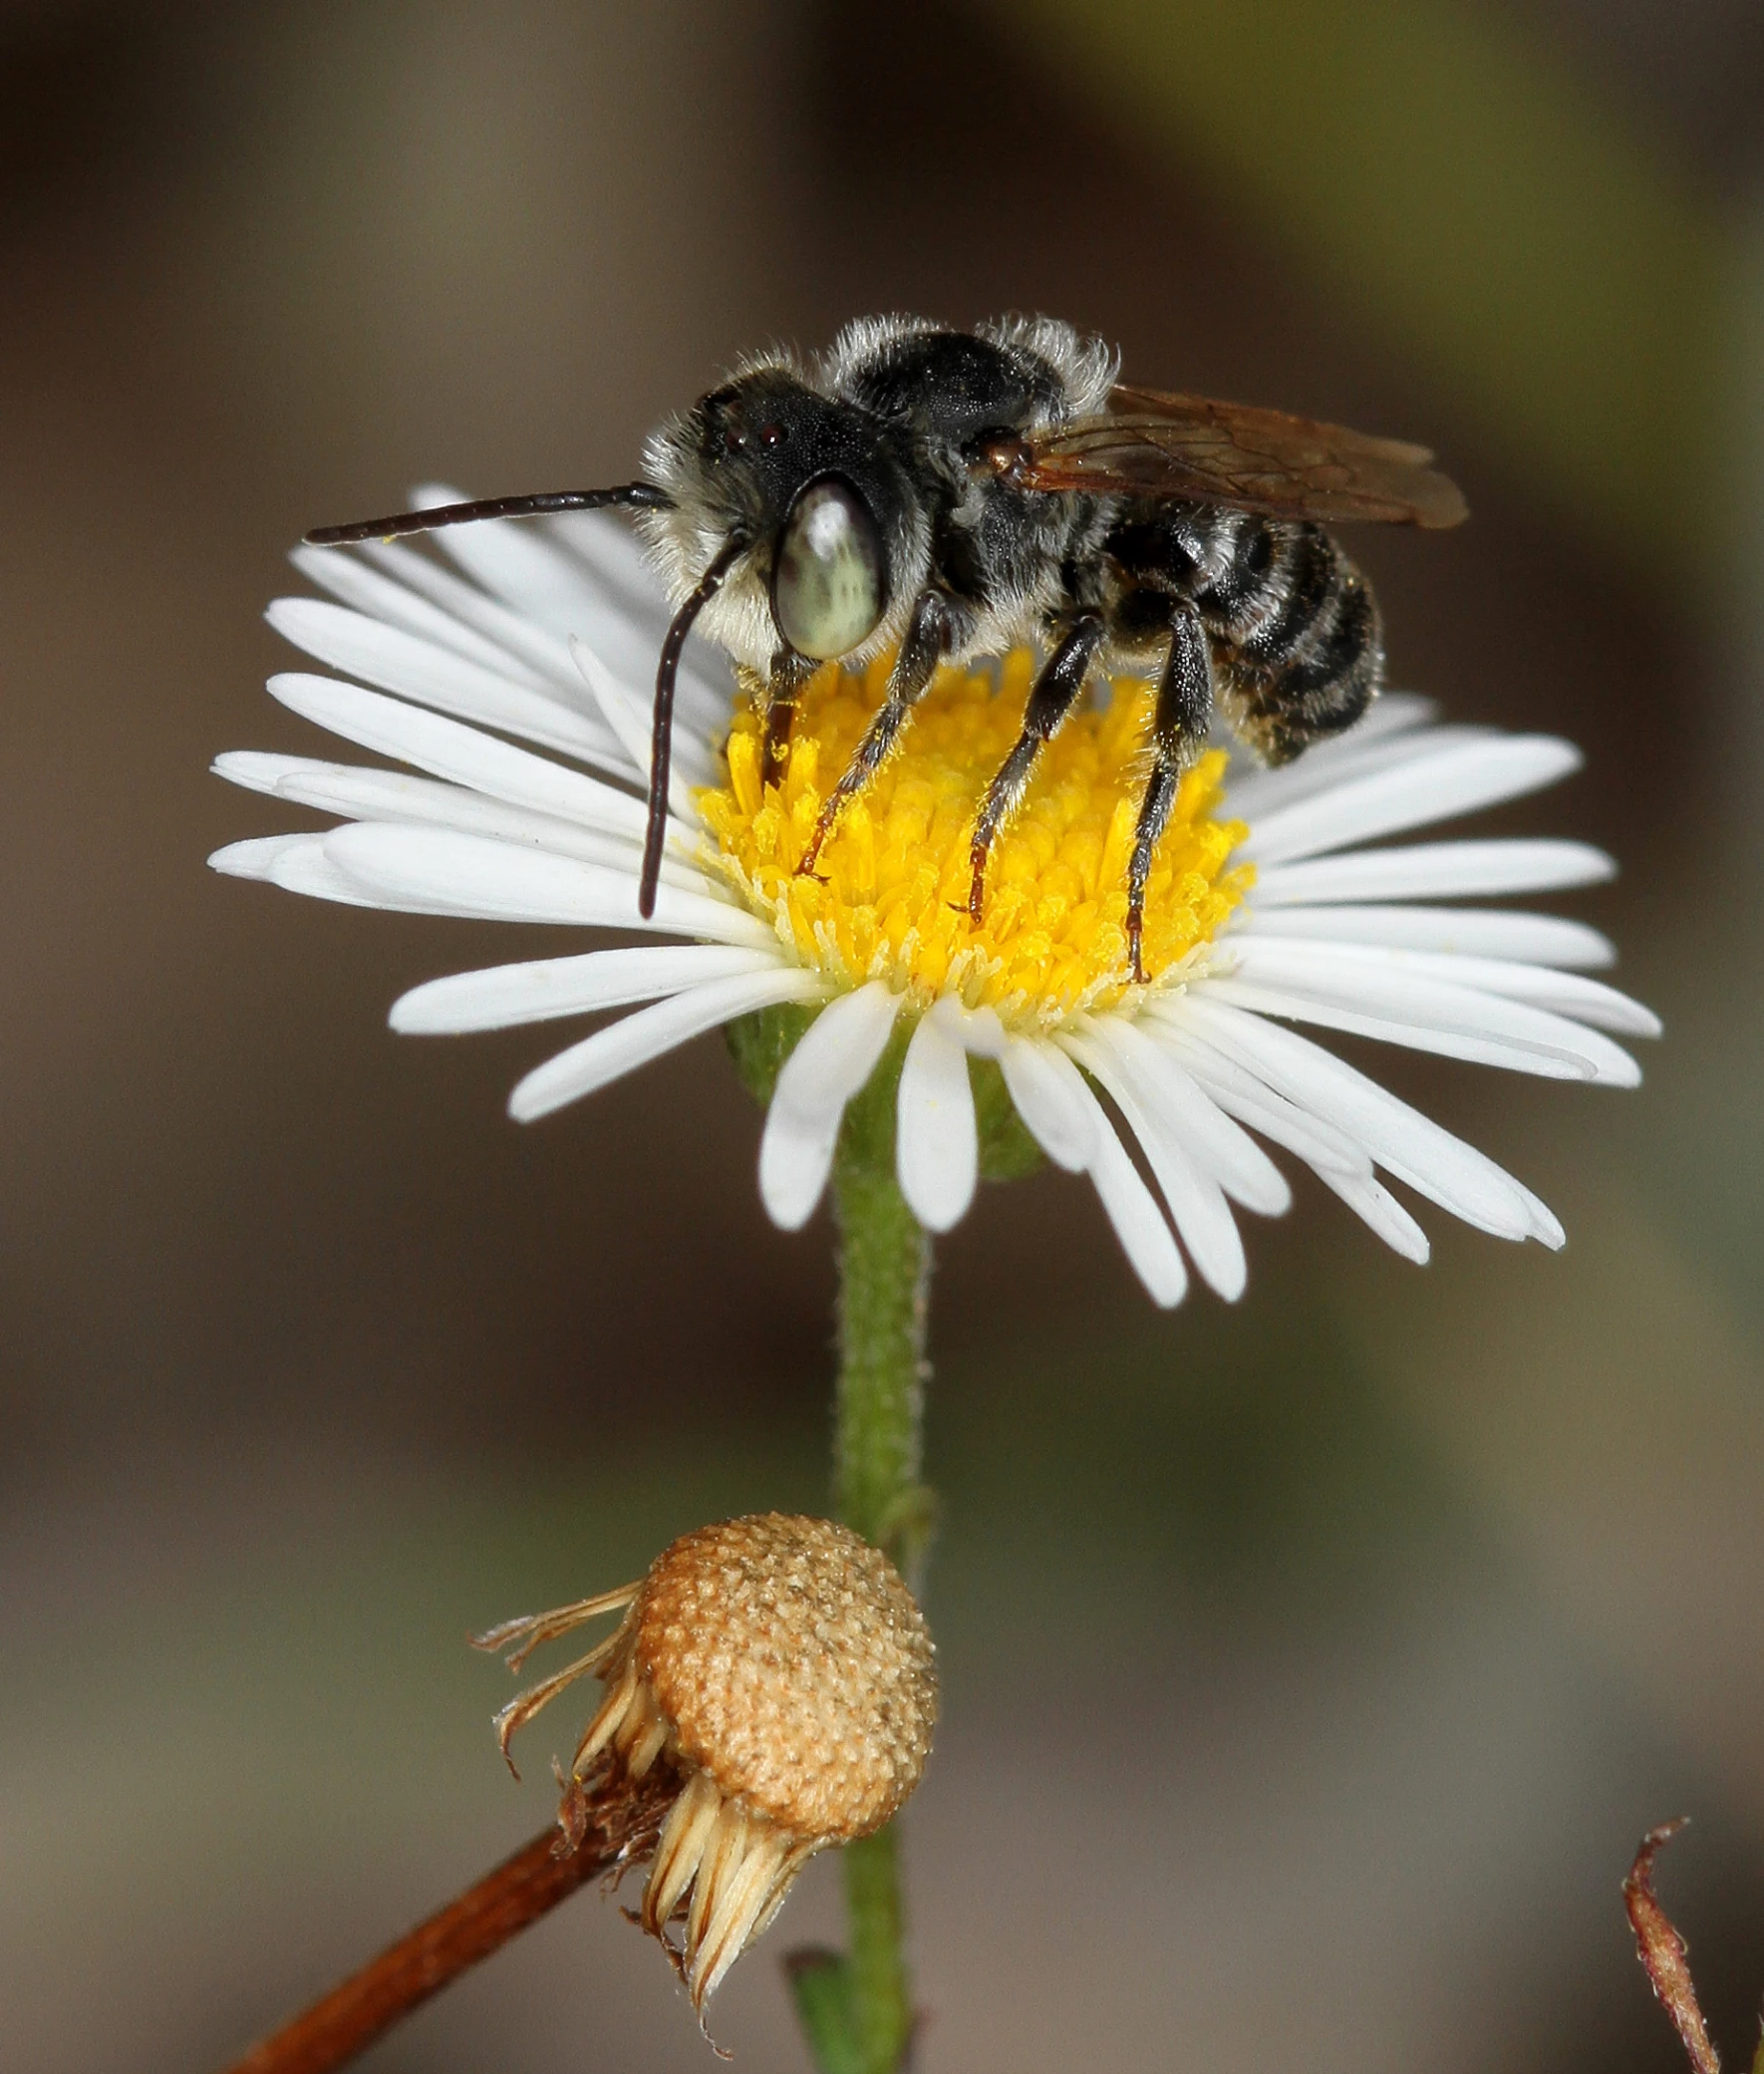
(781, 1671)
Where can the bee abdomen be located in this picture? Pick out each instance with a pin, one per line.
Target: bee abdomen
(1297, 628)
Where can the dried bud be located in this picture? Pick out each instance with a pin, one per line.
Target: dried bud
(779, 1670)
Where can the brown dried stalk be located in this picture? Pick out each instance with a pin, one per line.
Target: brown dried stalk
(610, 1828)
(1661, 1950)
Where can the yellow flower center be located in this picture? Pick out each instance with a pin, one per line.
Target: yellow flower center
(889, 896)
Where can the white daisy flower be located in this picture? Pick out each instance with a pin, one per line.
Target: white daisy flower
(1267, 907)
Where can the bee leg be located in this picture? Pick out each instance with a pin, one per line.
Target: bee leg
(789, 673)
(1180, 720)
(1054, 694)
(780, 718)
(935, 625)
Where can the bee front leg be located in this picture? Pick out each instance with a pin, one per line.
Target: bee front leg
(1179, 726)
(1055, 693)
(789, 673)
(937, 623)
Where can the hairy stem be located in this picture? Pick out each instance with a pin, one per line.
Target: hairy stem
(884, 1285)
(858, 2009)
(881, 1991)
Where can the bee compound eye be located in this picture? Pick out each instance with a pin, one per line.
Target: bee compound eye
(829, 575)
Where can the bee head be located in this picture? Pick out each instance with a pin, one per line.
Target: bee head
(815, 488)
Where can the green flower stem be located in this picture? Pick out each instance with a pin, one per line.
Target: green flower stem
(856, 2007)
(884, 1290)
(879, 1991)
(858, 2010)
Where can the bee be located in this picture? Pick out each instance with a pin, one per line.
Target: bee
(947, 494)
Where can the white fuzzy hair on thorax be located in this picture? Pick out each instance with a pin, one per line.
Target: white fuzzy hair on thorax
(1088, 367)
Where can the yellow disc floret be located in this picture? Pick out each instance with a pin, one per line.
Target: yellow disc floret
(889, 895)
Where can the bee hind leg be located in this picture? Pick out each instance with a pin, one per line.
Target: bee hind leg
(1054, 694)
(1180, 720)
(935, 627)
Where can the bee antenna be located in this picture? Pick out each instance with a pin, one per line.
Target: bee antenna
(662, 741)
(636, 496)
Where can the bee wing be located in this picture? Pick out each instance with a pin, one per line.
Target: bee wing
(1153, 445)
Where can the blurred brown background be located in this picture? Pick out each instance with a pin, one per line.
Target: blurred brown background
(1313, 1666)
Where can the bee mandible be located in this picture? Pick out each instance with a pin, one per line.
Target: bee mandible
(948, 494)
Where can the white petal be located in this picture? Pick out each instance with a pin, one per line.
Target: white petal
(1545, 1223)
(1441, 993)
(1392, 713)
(637, 1039)
(936, 1148)
(1391, 710)
(1436, 871)
(630, 644)
(296, 863)
(1133, 1211)
(394, 795)
(1050, 1094)
(502, 995)
(1372, 1202)
(1212, 1140)
(468, 757)
(438, 871)
(836, 1056)
(1457, 777)
(981, 1034)
(559, 591)
(1397, 727)
(689, 763)
(260, 771)
(508, 633)
(1240, 1093)
(1475, 932)
(706, 694)
(1401, 1141)
(1062, 1111)
(252, 858)
(612, 553)
(620, 569)
(515, 562)
(1565, 993)
(1273, 793)
(381, 594)
(1196, 1202)
(1292, 1006)
(1306, 983)
(399, 662)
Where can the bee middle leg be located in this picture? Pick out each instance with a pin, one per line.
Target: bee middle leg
(1054, 694)
(1180, 720)
(937, 624)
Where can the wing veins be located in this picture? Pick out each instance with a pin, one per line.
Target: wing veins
(1167, 446)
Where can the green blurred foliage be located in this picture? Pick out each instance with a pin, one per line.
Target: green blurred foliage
(1473, 199)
